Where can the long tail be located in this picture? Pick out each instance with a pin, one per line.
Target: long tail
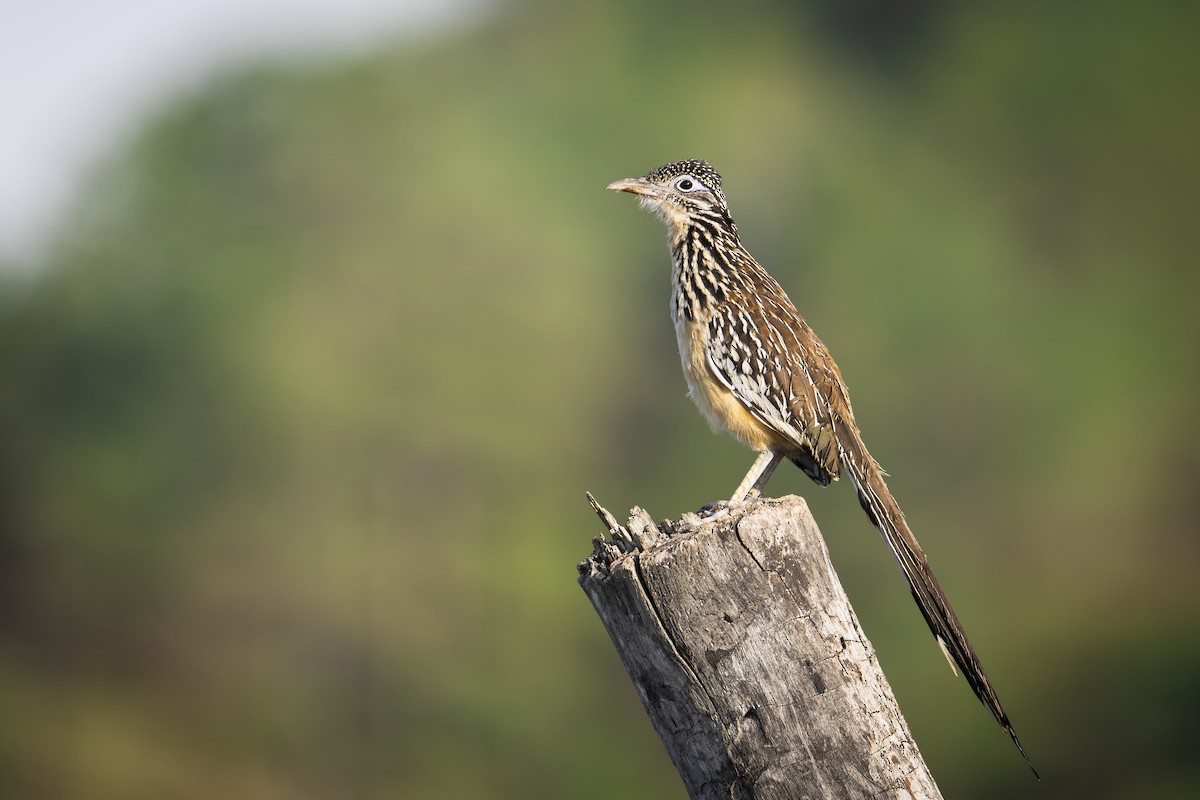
(887, 517)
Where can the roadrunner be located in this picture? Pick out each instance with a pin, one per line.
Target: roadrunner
(756, 369)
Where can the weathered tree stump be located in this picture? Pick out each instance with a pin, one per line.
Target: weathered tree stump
(749, 659)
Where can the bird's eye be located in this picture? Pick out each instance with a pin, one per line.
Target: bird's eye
(686, 184)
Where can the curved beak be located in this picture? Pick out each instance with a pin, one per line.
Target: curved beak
(639, 186)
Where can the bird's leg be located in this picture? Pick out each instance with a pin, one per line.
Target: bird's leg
(757, 477)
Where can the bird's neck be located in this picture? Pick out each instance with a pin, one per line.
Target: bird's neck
(704, 266)
(711, 227)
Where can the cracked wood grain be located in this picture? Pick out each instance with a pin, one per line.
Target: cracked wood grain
(749, 659)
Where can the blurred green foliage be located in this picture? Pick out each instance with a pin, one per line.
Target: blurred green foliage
(298, 417)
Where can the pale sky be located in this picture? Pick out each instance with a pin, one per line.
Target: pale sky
(77, 77)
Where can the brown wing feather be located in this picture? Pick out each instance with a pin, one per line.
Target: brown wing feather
(751, 351)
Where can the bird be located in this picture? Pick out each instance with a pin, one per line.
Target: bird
(757, 370)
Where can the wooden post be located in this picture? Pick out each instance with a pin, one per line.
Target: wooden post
(749, 659)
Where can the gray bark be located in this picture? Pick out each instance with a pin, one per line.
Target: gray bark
(749, 659)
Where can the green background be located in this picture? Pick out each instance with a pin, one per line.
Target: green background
(298, 415)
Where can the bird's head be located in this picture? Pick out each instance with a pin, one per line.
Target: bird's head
(682, 193)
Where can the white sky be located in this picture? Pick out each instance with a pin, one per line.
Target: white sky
(78, 76)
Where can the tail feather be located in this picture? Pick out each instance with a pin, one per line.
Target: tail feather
(886, 516)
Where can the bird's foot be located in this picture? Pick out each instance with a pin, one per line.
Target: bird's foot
(746, 499)
(714, 511)
(723, 508)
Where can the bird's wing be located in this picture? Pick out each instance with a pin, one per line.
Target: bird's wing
(752, 353)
